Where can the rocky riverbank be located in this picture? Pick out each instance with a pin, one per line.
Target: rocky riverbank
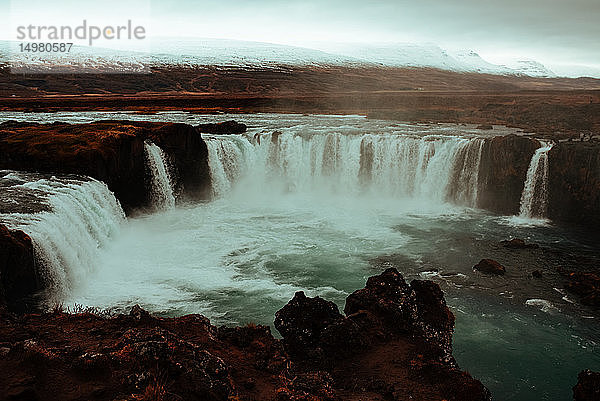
(394, 342)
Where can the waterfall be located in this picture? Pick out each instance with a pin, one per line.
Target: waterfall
(439, 168)
(161, 184)
(534, 199)
(465, 190)
(78, 216)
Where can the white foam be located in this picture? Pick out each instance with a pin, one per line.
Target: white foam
(542, 304)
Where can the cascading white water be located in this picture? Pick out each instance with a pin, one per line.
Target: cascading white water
(465, 188)
(79, 216)
(534, 199)
(435, 167)
(162, 182)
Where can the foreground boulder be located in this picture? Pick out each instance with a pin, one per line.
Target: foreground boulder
(490, 266)
(587, 387)
(324, 355)
(394, 338)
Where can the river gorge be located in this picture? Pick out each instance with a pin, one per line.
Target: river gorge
(232, 225)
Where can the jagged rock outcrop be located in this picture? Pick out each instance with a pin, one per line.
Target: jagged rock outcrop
(110, 151)
(138, 356)
(18, 276)
(503, 170)
(388, 319)
(574, 183)
(587, 387)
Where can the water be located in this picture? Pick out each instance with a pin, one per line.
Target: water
(74, 217)
(161, 181)
(534, 199)
(435, 168)
(331, 201)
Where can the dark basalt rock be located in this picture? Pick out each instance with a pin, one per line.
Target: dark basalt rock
(536, 274)
(574, 183)
(517, 243)
(485, 127)
(302, 321)
(224, 128)
(503, 170)
(387, 315)
(435, 320)
(587, 387)
(18, 276)
(489, 266)
(389, 298)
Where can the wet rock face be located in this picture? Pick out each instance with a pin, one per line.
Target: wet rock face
(574, 183)
(435, 320)
(503, 170)
(18, 277)
(587, 387)
(110, 151)
(490, 266)
(224, 128)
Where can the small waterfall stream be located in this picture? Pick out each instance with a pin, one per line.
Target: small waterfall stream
(161, 180)
(534, 199)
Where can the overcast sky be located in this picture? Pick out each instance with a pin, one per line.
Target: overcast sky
(554, 32)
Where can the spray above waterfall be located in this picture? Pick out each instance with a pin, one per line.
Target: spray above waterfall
(161, 178)
(534, 199)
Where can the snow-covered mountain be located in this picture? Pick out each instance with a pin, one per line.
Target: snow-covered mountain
(531, 68)
(233, 53)
(419, 55)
